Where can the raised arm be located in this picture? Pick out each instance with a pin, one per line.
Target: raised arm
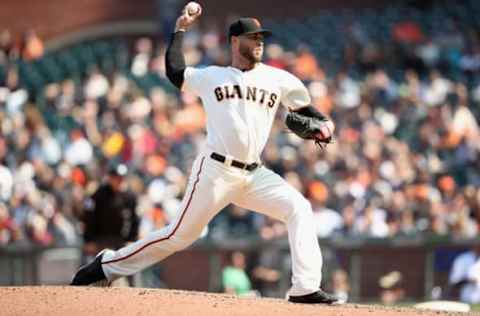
(174, 59)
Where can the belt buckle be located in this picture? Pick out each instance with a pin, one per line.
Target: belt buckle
(228, 160)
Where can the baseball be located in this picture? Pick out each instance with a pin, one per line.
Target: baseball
(193, 8)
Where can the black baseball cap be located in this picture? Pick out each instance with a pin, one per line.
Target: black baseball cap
(247, 26)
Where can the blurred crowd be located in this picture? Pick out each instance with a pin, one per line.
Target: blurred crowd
(405, 161)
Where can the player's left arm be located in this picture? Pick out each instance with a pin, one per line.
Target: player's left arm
(296, 98)
(327, 128)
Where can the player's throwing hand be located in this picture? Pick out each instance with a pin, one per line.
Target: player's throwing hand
(189, 14)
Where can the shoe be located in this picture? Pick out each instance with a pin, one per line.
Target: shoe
(91, 273)
(318, 297)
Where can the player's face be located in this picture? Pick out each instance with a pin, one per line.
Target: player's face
(251, 47)
(116, 182)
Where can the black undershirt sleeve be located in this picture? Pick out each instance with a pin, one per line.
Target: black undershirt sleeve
(175, 61)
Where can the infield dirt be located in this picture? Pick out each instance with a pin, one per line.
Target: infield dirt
(73, 301)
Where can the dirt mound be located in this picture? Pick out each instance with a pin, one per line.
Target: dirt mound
(72, 301)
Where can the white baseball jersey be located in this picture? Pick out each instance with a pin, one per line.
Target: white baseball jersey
(240, 109)
(241, 105)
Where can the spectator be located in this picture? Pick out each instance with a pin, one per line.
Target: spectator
(110, 217)
(392, 290)
(96, 85)
(241, 222)
(340, 285)
(141, 59)
(9, 231)
(79, 151)
(37, 230)
(327, 219)
(6, 183)
(234, 278)
(32, 46)
(464, 276)
(372, 223)
(267, 273)
(8, 51)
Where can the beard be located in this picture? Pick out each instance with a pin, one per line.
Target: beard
(249, 54)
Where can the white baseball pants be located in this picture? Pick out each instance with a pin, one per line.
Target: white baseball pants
(212, 186)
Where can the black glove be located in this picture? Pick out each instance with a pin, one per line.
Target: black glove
(309, 125)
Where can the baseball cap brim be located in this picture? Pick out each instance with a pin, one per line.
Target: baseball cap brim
(264, 32)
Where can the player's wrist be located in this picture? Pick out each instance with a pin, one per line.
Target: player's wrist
(179, 27)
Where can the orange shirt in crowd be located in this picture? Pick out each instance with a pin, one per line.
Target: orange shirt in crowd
(33, 49)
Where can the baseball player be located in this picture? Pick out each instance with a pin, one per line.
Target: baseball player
(240, 102)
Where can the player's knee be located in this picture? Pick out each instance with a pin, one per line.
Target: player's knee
(301, 207)
(305, 206)
(181, 242)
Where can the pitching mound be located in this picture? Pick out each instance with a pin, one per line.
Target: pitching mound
(72, 301)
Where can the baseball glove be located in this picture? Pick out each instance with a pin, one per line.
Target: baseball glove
(310, 125)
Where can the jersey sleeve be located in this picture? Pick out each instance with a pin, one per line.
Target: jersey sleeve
(294, 93)
(195, 79)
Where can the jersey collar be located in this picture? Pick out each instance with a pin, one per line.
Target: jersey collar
(245, 70)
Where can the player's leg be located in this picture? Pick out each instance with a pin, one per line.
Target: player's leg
(271, 195)
(203, 199)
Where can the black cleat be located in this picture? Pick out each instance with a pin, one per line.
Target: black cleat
(91, 273)
(318, 297)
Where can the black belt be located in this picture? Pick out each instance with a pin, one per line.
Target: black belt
(235, 163)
